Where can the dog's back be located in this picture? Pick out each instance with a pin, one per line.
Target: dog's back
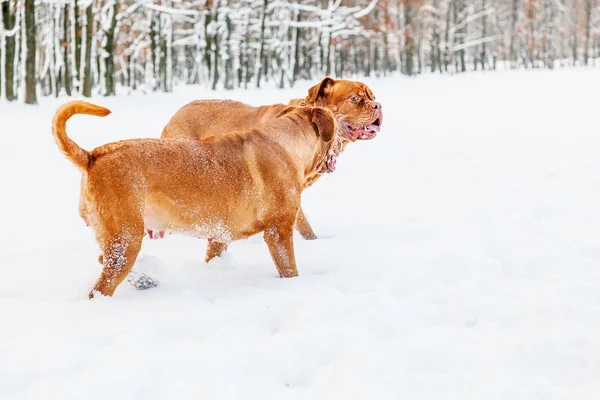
(204, 118)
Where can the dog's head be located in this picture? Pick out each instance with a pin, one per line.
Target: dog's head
(358, 115)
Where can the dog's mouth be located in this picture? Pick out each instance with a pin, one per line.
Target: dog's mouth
(367, 132)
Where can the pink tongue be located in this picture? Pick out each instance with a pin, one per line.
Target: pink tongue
(370, 134)
(374, 127)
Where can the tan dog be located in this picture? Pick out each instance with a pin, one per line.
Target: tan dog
(228, 187)
(353, 104)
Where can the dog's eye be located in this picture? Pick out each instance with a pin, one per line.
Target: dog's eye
(355, 99)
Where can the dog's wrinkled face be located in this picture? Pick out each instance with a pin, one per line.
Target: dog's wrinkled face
(358, 115)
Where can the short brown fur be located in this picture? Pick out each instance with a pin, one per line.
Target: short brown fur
(228, 188)
(203, 118)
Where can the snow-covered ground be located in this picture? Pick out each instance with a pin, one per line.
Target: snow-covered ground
(459, 259)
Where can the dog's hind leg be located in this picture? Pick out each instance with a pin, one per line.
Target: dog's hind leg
(120, 248)
(304, 227)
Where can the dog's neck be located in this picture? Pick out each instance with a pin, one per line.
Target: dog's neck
(305, 148)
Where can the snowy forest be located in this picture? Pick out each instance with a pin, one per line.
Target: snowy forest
(94, 47)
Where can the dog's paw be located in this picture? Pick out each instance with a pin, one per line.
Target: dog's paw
(94, 294)
(141, 281)
(309, 236)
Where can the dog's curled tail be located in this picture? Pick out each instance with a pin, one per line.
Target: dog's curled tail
(76, 154)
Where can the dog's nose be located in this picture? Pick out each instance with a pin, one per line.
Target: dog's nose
(376, 105)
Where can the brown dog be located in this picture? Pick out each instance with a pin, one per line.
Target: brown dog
(353, 104)
(228, 187)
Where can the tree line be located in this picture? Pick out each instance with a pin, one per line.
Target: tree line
(87, 47)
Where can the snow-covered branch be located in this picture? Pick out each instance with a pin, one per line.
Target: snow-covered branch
(93, 46)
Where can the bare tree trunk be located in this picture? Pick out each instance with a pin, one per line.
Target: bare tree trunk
(160, 54)
(309, 62)
(77, 32)
(513, 33)
(8, 19)
(31, 52)
(68, 78)
(229, 84)
(215, 47)
(132, 71)
(386, 57)
(483, 54)
(588, 26)
(409, 45)
(87, 67)
(109, 61)
(296, 56)
(327, 55)
(435, 56)
(455, 16)
(98, 67)
(376, 58)
(247, 54)
(154, 47)
(447, 36)
(433, 61)
(548, 32)
(531, 15)
(574, 48)
(341, 62)
(165, 54)
(461, 33)
(261, 49)
(2, 52)
(54, 74)
(367, 57)
(596, 46)
(215, 58)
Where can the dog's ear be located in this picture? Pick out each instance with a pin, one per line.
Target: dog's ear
(286, 110)
(325, 123)
(297, 102)
(319, 89)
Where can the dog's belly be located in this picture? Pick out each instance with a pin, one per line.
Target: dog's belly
(154, 219)
(190, 222)
(205, 221)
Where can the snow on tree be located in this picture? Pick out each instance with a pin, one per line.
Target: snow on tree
(86, 47)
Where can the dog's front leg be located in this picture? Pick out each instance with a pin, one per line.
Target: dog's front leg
(279, 238)
(304, 227)
(214, 249)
